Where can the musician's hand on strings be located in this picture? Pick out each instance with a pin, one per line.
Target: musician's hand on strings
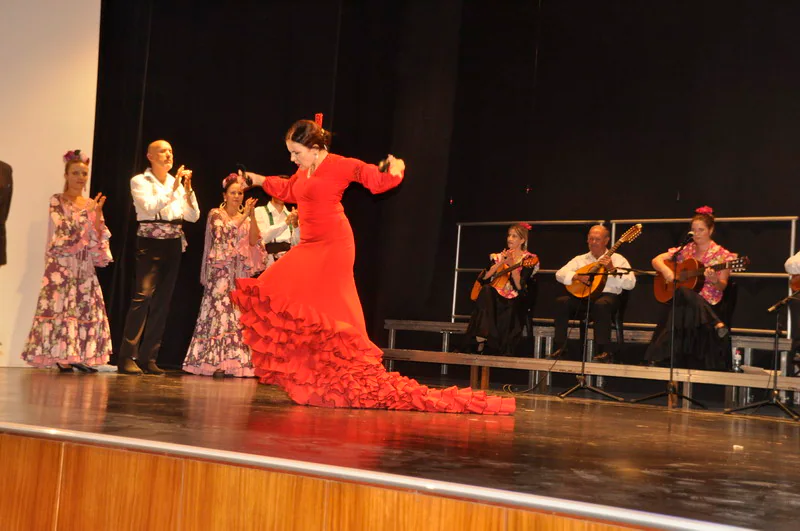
(605, 261)
(583, 279)
(669, 276)
(712, 276)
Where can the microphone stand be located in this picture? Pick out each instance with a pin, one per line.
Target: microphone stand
(582, 384)
(774, 395)
(672, 393)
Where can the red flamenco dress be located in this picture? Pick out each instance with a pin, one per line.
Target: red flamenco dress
(302, 317)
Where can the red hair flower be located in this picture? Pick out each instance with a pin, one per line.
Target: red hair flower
(234, 177)
(75, 155)
(705, 209)
(526, 225)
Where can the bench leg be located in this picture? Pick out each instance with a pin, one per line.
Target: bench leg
(484, 377)
(474, 379)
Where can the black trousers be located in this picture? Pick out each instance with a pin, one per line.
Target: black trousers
(157, 265)
(601, 312)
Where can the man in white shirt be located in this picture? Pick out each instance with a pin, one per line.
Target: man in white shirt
(279, 230)
(163, 203)
(603, 307)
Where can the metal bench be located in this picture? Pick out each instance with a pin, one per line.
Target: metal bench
(480, 365)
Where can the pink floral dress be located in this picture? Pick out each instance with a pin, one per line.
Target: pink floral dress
(715, 254)
(217, 340)
(70, 324)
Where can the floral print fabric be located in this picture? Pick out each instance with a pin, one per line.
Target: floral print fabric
(70, 324)
(715, 254)
(161, 230)
(217, 340)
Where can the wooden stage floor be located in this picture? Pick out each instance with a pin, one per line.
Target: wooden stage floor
(705, 466)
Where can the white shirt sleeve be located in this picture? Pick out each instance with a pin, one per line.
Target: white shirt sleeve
(148, 204)
(566, 273)
(273, 232)
(191, 210)
(628, 280)
(792, 265)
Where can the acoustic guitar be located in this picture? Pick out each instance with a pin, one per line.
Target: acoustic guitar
(691, 274)
(502, 276)
(581, 290)
(795, 282)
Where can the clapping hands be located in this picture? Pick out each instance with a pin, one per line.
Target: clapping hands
(249, 207)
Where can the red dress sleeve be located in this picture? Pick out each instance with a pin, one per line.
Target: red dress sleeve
(281, 188)
(373, 180)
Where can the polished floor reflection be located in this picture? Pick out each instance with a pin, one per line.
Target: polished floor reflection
(706, 466)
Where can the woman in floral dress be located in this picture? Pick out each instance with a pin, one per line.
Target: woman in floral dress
(70, 327)
(232, 250)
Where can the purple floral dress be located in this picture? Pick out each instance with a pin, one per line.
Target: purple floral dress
(217, 340)
(70, 324)
(715, 254)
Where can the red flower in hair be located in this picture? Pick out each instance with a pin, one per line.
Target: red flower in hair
(705, 209)
(233, 177)
(526, 225)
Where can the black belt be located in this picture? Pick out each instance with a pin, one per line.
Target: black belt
(168, 221)
(278, 247)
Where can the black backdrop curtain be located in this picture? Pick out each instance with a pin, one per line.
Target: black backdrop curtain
(222, 81)
(536, 109)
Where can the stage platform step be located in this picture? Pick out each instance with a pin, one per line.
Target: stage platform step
(690, 376)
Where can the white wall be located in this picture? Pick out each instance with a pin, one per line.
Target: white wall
(48, 83)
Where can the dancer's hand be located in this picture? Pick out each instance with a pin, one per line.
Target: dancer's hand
(99, 201)
(250, 207)
(396, 166)
(256, 179)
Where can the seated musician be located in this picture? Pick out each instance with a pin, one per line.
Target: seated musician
(792, 266)
(603, 306)
(501, 306)
(699, 331)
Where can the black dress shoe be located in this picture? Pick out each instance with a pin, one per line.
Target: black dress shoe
(128, 366)
(83, 367)
(64, 368)
(604, 357)
(219, 373)
(556, 354)
(152, 368)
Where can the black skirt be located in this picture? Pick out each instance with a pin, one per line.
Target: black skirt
(497, 319)
(697, 343)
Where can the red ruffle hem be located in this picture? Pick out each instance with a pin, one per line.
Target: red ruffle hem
(326, 363)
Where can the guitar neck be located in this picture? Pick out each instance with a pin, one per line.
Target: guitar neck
(716, 267)
(607, 254)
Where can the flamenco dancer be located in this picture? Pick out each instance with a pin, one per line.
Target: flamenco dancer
(302, 317)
